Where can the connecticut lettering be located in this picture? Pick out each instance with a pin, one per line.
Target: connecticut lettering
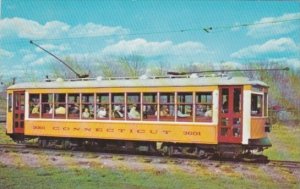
(111, 130)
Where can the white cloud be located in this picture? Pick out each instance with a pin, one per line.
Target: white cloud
(5, 53)
(267, 26)
(89, 58)
(29, 57)
(289, 62)
(42, 60)
(137, 46)
(92, 29)
(282, 45)
(189, 46)
(31, 29)
(148, 48)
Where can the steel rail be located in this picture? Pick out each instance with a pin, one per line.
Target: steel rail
(147, 157)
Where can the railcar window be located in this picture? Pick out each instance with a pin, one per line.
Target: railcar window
(73, 106)
(236, 131)
(9, 105)
(60, 105)
(225, 100)
(237, 103)
(256, 105)
(185, 107)
(150, 106)
(34, 105)
(87, 109)
(167, 107)
(225, 126)
(102, 106)
(134, 106)
(265, 104)
(22, 101)
(203, 107)
(47, 105)
(118, 106)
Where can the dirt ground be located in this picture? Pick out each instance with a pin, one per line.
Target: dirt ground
(65, 160)
(253, 174)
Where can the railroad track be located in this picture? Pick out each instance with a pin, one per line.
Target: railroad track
(16, 147)
(12, 146)
(22, 148)
(287, 164)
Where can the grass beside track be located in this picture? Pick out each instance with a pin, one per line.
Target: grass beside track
(50, 177)
(70, 174)
(4, 139)
(286, 141)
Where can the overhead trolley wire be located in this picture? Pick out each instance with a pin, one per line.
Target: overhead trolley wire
(209, 29)
(206, 29)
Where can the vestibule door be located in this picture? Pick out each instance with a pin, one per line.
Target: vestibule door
(230, 114)
(18, 112)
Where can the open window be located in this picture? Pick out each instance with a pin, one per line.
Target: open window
(203, 107)
(9, 103)
(118, 106)
(102, 106)
(134, 106)
(34, 105)
(256, 105)
(237, 101)
(150, 106)
(185, 107)
(47, 105)
(87, 106)
(73, 105)
(167, 107)
(60, 106)
(265, 104)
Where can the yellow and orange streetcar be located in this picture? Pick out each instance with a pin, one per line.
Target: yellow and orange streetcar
(196, 114)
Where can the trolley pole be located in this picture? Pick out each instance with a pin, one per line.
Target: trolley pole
(60, 60)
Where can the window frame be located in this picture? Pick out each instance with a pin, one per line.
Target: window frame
(186, 100)
(187, 116)
(33, 105)
(258, 114)
(129, 106)
(170, 116)
(265, 105)
(58, 104)
(104, 104)
(88, 104)
(9, 102)
(207, 103)
(73, 105)
(152, 115)
(122, 106)
(50, 113)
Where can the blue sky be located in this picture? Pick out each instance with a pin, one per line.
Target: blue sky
(160, 31)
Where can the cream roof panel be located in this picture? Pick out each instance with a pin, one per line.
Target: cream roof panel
(171, 82)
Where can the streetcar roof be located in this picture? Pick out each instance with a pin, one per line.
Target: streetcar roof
(160, 82)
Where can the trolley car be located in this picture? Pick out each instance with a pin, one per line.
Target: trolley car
(194, 114)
